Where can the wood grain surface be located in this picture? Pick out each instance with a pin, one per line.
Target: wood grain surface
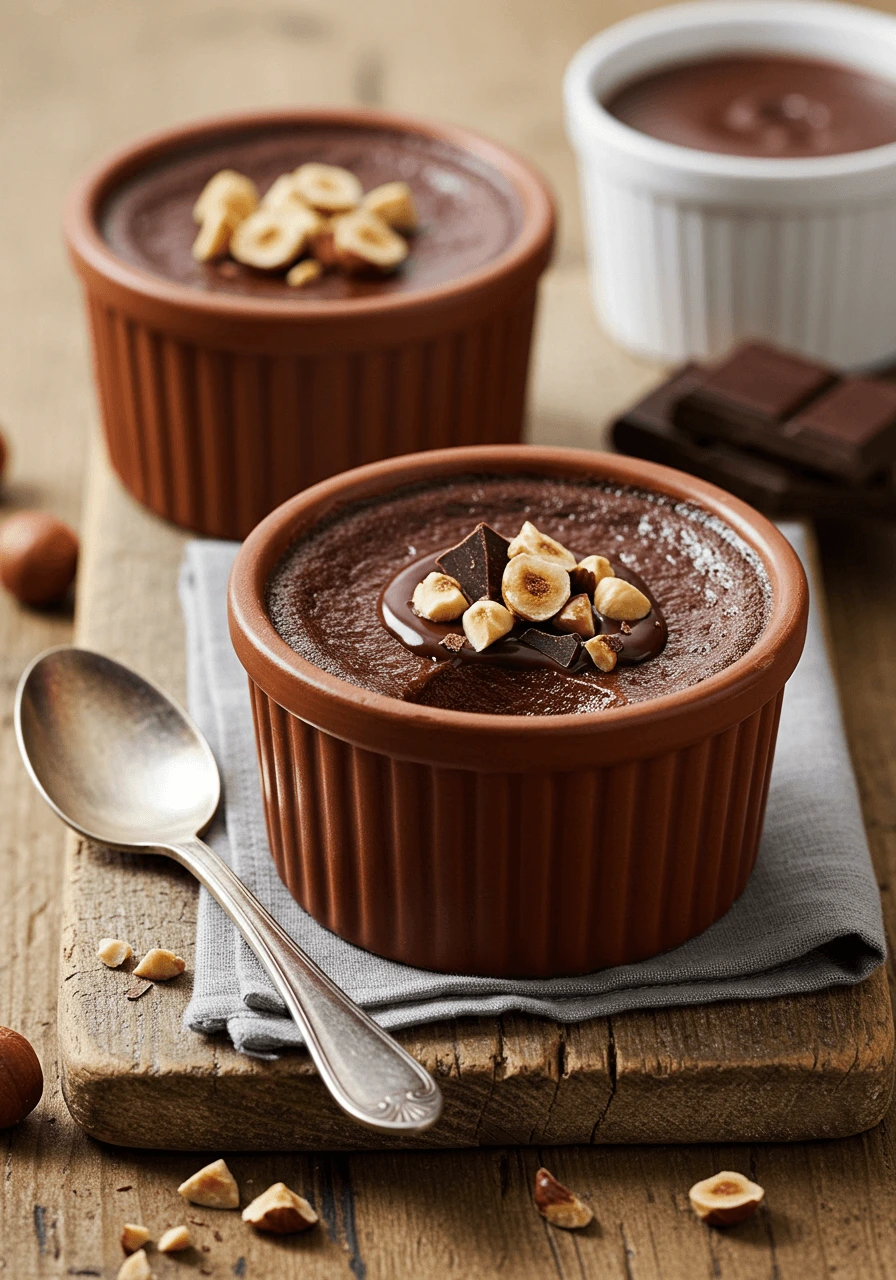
(810, 1067)
(76, 80)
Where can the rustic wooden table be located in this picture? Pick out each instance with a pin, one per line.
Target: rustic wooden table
(76, 80)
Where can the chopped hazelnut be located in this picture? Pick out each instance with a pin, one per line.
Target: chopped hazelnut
(558, 1204)
(213, 1186)
(174, 1239)
(158, 965)
(280, 1211)
(133, 1237)
(725, 1198)
(113, 952)
(136, 1267)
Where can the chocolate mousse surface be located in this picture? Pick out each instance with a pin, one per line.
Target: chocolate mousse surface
(325, 596)
(469, 213)
(757, 104)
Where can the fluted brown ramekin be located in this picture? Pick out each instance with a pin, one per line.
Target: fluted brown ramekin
(514, 845)
(218, 407)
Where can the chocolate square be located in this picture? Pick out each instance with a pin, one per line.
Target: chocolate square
(563, 649)
(757, 379)
(850, 430)
(478, 563)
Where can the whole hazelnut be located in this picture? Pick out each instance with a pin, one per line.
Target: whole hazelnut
(38, 557)
(21, 1079)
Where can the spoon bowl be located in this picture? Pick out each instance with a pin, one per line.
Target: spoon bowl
(111, 753)
(124, 765)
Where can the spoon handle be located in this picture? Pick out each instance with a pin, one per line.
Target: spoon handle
(368, 1073)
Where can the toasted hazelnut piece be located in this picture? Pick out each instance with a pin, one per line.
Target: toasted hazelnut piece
(485, 622)
(589, 572)
(227, 190)
(533, 588)
(576, 616)
(321, 244)
(158, 965)
(215, 234)
(394, 203)
(133, 1237)
(439, 598)
(213, 1186)
(363, 243)
(136, 1267)
(558, 1204)
(280, 1210)
(113, 952)
(303, 273)
(284, 193)
(532, 542)
(328, 188)
(602, 651)
(725, 1198)
(270, 239)
(174, 1239)
(619, 600)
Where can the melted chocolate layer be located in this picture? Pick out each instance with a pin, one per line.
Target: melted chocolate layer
(324, 595)
(468, 212)
(761, 105)
(643, 639)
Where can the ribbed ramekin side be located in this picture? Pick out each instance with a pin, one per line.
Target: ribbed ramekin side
(213, 439)
(505, 873)
(676, 278)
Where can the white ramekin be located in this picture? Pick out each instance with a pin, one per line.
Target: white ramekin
(689, 250)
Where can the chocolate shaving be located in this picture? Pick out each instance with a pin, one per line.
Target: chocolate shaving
(137, 990)
(453, 642)
(564, 650)
(477, 563)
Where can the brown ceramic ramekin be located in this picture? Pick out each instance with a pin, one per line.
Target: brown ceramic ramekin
(218, 407)
(514, 845)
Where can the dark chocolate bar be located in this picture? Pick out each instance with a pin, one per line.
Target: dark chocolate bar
(788, 407)
(647, 431)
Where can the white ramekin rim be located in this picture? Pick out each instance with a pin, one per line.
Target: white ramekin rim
(685, 30)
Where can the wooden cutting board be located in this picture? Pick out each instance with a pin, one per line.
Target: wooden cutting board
(776, 1070)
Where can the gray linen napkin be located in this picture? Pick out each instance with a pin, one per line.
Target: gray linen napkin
(810, 917)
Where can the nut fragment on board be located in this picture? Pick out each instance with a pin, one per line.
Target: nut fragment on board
(589, 572)
(561, 1207)
(394, 203)
(213, 1186)
(725, 1198)
(113, 952)
(158, 965)
(137, 990)
(619, 600)
(485, 622)
(303, 273)
(280, 1211)
(136, 1267)
(174, 1240)
(438, 598)
(133, 1237)
(533, 588)
(531, 541)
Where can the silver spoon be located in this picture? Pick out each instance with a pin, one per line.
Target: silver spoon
(125, 766)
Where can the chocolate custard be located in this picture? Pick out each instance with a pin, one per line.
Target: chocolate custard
(469, 213)
(325, 597)
(761, 105)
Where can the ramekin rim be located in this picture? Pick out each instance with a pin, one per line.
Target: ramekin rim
(85, 241)
(272, 652)
(582, 105)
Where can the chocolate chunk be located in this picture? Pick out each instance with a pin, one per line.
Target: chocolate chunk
(477, 563)
(563, 649)
(769, 401)
(646, 430)
(453, 642)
